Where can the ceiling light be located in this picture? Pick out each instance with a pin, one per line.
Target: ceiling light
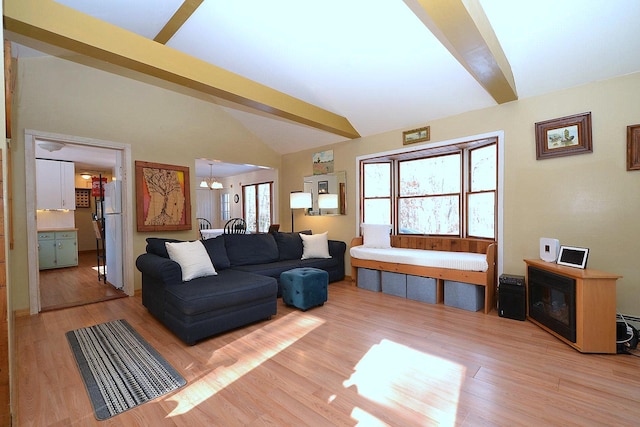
(50, 146)
(210, 181)
(85, 175)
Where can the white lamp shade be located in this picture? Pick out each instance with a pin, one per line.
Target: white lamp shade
(300, 200)
(328, 201)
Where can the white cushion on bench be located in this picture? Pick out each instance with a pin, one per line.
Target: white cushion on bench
(426, 258)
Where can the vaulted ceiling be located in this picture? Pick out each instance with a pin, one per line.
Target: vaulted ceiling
(305, 74)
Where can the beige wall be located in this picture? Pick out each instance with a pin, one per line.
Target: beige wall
(162, 126)
(587, 200)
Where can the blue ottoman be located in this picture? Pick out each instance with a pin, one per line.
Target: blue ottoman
(304, 287)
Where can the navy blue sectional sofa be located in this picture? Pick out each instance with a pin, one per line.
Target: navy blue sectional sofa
(245, 289)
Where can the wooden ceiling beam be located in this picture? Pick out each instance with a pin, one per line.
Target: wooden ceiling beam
(178, 19)
(52, 23)
(463, 28)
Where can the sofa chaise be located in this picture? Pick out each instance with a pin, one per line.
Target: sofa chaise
(242, 289)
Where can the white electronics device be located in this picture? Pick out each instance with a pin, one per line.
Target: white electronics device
(549, 249)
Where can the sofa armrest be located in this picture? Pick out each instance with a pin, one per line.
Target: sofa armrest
(337, 248)
(159, 268)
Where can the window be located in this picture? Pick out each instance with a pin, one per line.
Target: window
(377, 193)
(225, 207)
(449, 190)
(257, 205)
(481, 197)
(429, 196)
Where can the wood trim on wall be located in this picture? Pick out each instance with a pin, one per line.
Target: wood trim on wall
(9, 81)
(5, 386)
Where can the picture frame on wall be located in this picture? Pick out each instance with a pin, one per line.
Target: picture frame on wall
(565, 136)
(162, 197)
(416, 135)
(633, 147)
(323, 187)
(322, 162)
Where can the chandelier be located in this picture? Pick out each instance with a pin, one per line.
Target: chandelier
(210, 181)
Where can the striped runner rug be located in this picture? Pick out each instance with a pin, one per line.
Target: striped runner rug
(119, 368)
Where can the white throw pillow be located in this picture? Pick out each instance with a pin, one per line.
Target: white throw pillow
(315, 245)
(193, 259)
(376, 236)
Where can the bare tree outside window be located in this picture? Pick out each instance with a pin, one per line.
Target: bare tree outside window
(481, 202)
(257, 207)
(429, 201)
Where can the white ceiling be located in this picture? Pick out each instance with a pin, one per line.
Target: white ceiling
(376, 63)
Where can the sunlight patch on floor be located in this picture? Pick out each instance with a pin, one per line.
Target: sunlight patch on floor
(366, 419)
(102, 269)
(251, 351)
(407, 381)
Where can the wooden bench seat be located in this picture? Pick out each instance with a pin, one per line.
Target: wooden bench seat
(482, 278)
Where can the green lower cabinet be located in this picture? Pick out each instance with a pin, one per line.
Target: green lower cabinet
(46, 250)
(57, 249)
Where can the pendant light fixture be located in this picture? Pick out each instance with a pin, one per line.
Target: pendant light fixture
(210, 181)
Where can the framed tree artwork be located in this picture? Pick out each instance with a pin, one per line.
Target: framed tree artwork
(162, 197)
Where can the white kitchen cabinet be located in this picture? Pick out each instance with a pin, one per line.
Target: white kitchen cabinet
(55, 185)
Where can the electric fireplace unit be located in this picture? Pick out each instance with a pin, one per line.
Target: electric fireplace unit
(552, 301)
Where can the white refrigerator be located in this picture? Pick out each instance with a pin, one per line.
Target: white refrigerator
(113, 233)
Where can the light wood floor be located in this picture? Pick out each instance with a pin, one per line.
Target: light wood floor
(72, 286)
(364, 358)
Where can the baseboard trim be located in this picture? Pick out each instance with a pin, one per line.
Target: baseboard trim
(21, 313)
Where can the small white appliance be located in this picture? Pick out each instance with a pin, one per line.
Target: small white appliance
(549, 249)
(113, 233)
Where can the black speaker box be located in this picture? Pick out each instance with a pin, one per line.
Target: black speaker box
(512, 301)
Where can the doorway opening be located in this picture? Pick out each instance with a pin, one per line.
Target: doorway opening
(77, 285)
